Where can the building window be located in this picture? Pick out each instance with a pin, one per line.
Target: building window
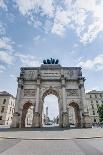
(93, 112)
(91, 101)
(12, 110)
(90, 96)
(94, 120)
(2, 110)
(102, 101)
(95, 96)
(92, 106)
(97, 105)
(0, 117)
(101, 95)
(96, 101)
(4, 101)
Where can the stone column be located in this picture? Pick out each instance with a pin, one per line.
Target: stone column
(65, 113)
(16, 115)
(85, 121)
(36, 114)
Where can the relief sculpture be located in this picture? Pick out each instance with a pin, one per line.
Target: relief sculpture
(29, 92)
(72, 92)
(31, 75)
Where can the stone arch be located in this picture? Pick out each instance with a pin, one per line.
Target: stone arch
(50, 91)
(47, 92)
(77, 113)
(25, 108)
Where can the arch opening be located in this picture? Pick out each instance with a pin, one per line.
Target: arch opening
(50, 111)
(74, 115)
(27, 115)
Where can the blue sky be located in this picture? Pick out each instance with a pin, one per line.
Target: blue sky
(33, 30)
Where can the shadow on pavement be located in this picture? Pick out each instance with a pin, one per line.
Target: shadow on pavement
(35, 129)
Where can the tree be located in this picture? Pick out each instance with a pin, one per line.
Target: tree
(100, 112)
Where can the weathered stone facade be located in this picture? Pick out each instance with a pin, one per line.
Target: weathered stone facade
(94, 99)
(35, 83)
(7, 105)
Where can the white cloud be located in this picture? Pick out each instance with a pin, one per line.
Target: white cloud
(93, 88)
(13, 76)
(85, 18)
(2, 29)
(2, 68)
(3, 5)
(27, 60)
(6, 57)
(27, 6)
(88, 19)
(61, 21)
(36, 38)
(75, 45)
(6, 43)
(96, 63)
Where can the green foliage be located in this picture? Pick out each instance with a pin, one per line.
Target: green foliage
(100, 112)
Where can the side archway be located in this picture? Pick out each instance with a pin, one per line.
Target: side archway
(26, 106)
(77, 116)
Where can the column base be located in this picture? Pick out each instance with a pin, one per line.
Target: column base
(36, 120)
(87, 121)
(65, 119)
(15, 120)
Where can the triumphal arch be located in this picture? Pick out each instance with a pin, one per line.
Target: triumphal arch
(35, 83)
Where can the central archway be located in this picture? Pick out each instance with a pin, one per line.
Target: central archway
(50, 115)
(50, 112)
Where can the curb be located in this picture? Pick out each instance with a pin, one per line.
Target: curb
(50, 138)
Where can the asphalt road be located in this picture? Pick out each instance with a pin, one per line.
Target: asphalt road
(51, 147)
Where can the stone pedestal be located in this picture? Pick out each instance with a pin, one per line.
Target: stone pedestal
(15, 120)
(65, 119)
(36, 120)
(87, 121)
(60, 121)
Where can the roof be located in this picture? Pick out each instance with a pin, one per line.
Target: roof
(95, 92)
(5, 93)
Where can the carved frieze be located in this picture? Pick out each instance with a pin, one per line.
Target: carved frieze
(29, 92)
(70, 73)
(72, 92)
(31, 75)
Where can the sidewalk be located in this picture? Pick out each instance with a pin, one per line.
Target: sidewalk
(54, 134)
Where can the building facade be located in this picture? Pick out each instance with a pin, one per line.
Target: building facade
(35, 83)
(7, 105)
(94, 99)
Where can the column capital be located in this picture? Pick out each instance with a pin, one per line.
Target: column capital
(81, 86)
(63, 82)
(38, 82)
(20, 82)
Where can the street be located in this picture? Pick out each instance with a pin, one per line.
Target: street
(51, 147)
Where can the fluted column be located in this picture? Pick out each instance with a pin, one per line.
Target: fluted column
(36, 114)
(18, 96)
(63, 95)
(16, 115)
(65, 113)
(37, 99)
(85, 118)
